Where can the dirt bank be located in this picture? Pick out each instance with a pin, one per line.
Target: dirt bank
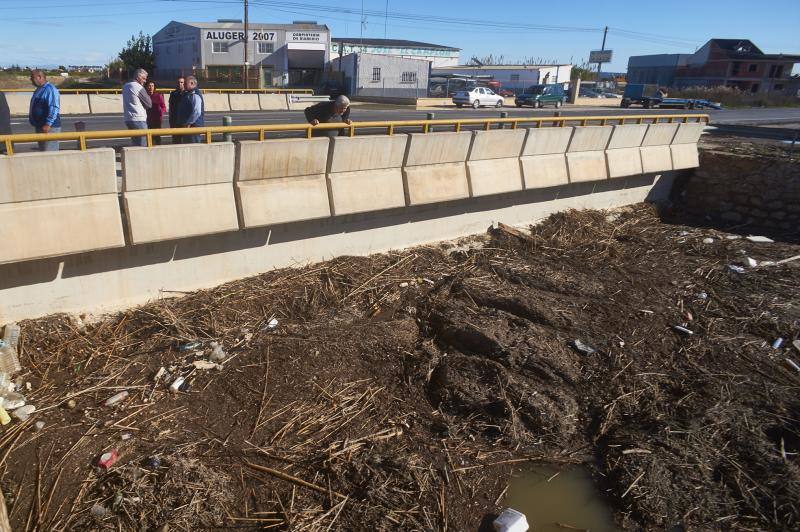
(400, 391)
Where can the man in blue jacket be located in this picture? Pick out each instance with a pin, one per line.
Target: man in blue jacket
(45, 107)
(191, 111)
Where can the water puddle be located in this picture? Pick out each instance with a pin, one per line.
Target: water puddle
(559, 500)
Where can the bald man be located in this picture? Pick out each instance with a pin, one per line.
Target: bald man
(44, 114)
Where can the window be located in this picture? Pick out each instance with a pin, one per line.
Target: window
(776, 71)
(408, 77)
(752, 67)
(266, 47)
(514, 78)
(376, 74)
(219, 47)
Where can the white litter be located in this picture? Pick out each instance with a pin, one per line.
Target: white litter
(751, 262)
(510, 520)
(760, 239)
(708, 241)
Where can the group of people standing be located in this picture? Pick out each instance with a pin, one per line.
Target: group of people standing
(144, 108)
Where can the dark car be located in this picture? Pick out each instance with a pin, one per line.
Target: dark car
(541, 95)
(333, 89)
(504, 92)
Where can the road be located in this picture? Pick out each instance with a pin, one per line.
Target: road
(361, 113)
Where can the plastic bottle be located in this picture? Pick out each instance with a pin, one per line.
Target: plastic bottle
(116, 398)
(9, 361)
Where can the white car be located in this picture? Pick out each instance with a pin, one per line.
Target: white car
(478, 97)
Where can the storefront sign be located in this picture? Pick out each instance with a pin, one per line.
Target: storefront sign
(304, 36)
(235, 35)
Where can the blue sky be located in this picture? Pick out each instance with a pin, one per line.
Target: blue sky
(52, 32)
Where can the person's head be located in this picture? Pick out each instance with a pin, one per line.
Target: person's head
(140, 75)
(191, 83)
(38, 78)
(342, 103)
(181, 83)
(151, 87)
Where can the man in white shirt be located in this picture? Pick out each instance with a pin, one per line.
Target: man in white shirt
(135, 102)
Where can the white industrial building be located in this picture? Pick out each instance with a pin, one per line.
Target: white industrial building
(437, 55)
(381, 76)
(277, 54)
(514, 77)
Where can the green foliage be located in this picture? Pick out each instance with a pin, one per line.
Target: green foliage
(733, 97)
(584, 72)
(138, 53)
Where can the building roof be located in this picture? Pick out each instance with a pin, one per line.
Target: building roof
(499, 67)
(746, 49)
(255, 26)
(392, 43)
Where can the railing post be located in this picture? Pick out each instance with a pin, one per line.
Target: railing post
(227, 121)
(503, 114)
(80, 126)
(428, 128)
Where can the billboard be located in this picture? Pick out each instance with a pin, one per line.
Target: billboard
(600, 56)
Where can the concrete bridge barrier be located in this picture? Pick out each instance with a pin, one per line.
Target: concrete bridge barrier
(244, 102)
(623, 155)
(543, 159)
(179, 191)
(273, 102)
(364, 173)
(105, 104)
(58, 203)
(493, 165)
(279, 181)
(684, 146)
(434, 169)
(656, 155)
(586, 156)
(216, 102)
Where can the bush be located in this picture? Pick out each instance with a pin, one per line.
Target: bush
(733, 97)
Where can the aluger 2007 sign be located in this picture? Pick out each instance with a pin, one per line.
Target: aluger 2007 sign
(231, 35)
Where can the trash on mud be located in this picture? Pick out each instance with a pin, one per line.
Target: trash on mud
(23, 413)
(271, 324)
(759, 239)
(708, 241)
(777, 343)
(38, 426)
(152, 462)
(793, 364)
(176, 384)
(217, 353)
(116, 398)
(5, 419)
(125, 436)
(796, 345)
(9, 359)
(510, 520)
(735, 268)
(751, 262)
(189, 346)
(108, 459)
(205, 364)
(583, 348)
(683, 330)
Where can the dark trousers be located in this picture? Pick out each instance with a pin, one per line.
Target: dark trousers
(155, 124)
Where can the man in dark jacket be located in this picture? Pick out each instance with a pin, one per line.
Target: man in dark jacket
(337, 110)
(191, 110)
(175, 102)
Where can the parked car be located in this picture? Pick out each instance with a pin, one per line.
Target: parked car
(505, 93)
(541, 95)
(477, 97)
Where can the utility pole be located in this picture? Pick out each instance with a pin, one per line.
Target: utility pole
(386, 19)
(361, 39)
(602, 48)
(246, 43)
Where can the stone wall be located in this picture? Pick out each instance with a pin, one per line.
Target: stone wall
(756, 190)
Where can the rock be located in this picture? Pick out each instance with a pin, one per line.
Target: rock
(23, 413)
(38, 426)
(71, 404)
(708, 241)
(99, 511)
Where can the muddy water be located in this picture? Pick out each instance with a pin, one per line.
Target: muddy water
(568, 501)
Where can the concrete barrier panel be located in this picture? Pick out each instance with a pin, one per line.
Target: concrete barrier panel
(547, 140)
(542, 171)
(624, 162)
(435, 183)
(281, 158)
(656, 159)
(587, 166)
(55, 227)
(590, 138)
(684, 156)
(272, 102)
(105, 104)
(40, 176)
(18, 103)
(216, 102)
(177, 212)
(177, 165)
(438, 148)
(627, 136)
(244, 102)
(494, 176)
(352, 154)
(366, 190)
(280, 200)
(689, 133)
(75, 104)
(659, 134)
(496, 144)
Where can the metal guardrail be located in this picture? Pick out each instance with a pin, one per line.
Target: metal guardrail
(389, 126)
(170, 89)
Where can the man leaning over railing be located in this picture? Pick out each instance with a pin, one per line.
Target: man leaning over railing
(44, 114)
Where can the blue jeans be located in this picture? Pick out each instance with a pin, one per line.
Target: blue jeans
(137, 141)
(50, 145)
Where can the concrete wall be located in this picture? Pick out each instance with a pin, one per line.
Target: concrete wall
(244, 102)
(216, 102)
(273, 102)
(105, 104)
(58, 203)
(203, 214)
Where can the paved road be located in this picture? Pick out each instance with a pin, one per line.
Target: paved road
(742, 117)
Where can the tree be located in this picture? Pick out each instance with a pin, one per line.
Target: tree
(138, 53)
(584, 72)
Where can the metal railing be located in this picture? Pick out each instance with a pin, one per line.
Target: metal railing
(170, 89)
(389, 126)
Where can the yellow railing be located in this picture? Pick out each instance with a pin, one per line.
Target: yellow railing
(170, 89)
(389, 126)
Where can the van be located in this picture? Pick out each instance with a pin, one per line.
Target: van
(541, 95)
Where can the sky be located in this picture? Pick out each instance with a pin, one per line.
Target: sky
(81, 32)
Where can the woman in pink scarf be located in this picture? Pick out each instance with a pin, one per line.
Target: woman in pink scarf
(155, 112)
